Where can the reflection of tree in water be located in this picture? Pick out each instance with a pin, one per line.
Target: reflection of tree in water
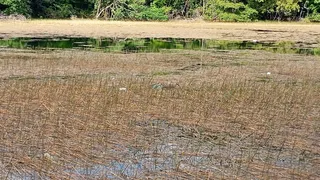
(130, 46)
(155, 44)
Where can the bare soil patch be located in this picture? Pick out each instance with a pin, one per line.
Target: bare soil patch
(262, 31)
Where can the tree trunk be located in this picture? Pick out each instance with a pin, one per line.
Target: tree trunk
(98, 9)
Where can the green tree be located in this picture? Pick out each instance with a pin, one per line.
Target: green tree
(142, 12)
(227, 10)
(112, 8)
(314, 7)
(17, 7)
(185, 8)
(277, 9)
(222, 10)
(61, 8)
(287, 8)
(266, 8)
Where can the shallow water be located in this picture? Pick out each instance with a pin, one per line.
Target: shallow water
(154, 44)
(176, 148)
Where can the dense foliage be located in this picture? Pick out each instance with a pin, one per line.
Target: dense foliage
(218, 10)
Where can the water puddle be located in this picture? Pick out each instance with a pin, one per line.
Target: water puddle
(155, 44)
(173, 151)
(184, 149)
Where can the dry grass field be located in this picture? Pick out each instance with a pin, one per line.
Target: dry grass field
(297, 32)
(169, 115)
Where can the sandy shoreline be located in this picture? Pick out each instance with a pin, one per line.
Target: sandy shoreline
(297, 32)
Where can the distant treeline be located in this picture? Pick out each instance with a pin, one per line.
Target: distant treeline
(162, 10)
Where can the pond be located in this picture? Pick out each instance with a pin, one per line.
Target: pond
(128, 45)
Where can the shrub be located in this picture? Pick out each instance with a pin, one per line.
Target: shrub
(224, 10)
(149, 13)
(315, 17)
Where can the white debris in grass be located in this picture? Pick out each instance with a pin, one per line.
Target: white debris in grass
(122, 89)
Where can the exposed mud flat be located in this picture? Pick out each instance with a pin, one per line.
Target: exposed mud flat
(177, 29)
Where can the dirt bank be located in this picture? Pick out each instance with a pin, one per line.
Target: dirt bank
(298, 32)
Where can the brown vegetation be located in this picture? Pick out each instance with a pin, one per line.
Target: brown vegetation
(213, 115)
